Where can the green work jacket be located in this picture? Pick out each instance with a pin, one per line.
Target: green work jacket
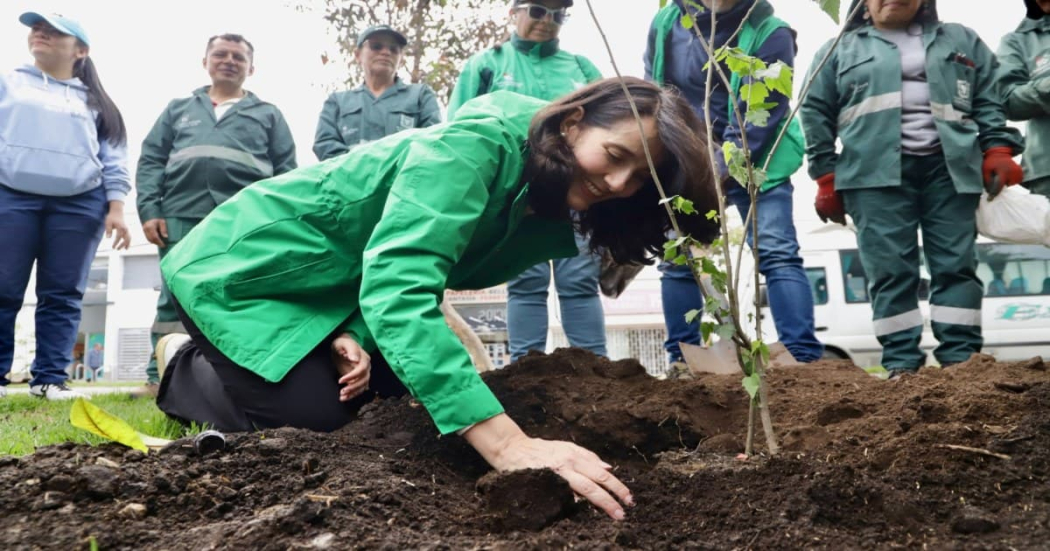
(537, 69)
(368, 242)
(1024, 83)
(856, 97)
(354, 117)
(191, 162)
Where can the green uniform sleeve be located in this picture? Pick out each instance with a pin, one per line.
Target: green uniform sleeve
(466, 86)
(282, 145)
(429, 112)
(1022, 97)
(820, 112)
(328, 142)
(358, 329)
(988, 111)
(589, 69)
(430, 216)
(149, 176)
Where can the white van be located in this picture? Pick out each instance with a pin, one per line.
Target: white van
(1015, 313)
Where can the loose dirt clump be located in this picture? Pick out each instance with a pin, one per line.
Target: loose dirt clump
(953, 458)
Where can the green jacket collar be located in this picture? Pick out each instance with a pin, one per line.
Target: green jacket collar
(1034, 25)
(248, 100)
(546, 49)
(397, 87)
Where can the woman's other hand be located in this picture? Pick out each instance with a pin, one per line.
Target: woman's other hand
(503, 444)
(115, 226)
(353, 364)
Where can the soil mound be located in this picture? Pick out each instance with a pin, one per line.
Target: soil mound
(953, 458)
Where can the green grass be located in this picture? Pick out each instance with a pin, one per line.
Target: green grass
(103, 382)
(28, 422)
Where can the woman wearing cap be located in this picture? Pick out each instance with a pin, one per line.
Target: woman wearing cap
(63, 179)
(382, 105)
(914, 104)
(296, 289)
(532, 63)
(1024, 83)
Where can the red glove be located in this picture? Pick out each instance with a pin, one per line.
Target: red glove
(829, 202)
(1000, 169)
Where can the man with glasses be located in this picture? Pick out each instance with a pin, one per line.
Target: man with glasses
(531, 63)
(201, 151)
(383, 105)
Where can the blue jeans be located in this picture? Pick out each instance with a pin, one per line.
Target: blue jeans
(61, 235)
(582, 317)
(679, 294)
(789, 292)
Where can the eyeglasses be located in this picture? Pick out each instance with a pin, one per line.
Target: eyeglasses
(380, 46)
(539, 13)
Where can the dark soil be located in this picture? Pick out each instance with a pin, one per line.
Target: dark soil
(866, 463)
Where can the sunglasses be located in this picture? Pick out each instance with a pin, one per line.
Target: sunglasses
(379, 46)
(539, 13)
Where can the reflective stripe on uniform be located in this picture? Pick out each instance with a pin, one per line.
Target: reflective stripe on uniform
(955, 316)
(867, 106)
(224, 153)
(900, 322)
(947, 112)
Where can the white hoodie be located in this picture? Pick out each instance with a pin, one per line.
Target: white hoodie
(49, 139)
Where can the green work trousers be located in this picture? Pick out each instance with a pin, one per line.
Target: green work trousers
(167, 321)
(888, 220)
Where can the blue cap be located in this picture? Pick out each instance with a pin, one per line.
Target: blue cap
(63, 24)
(375, 29)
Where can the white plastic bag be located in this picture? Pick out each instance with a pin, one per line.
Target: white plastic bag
(1015, 216)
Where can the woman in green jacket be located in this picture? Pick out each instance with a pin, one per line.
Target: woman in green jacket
(914, 103)
(293, 289)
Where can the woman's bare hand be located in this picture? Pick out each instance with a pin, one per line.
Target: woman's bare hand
(354, 366)
(503, 444)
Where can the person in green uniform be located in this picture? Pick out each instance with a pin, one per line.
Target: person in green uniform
(913, 101)
(532, 63)
(306, 289)
(381, 106)
(1024, 83)
(201, 151)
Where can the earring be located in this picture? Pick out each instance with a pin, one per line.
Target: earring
(563, 134)
(867, 14)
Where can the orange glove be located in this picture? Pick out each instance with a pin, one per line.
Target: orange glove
(1000, 169)
(829, 202)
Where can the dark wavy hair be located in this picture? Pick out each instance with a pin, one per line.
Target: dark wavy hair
(632, 229)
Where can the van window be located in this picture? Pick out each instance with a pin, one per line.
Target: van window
(818, 282)
(1004, 270)
(1013, 270)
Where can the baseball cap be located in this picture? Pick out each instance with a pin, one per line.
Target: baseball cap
(62, 24)
(375, 29)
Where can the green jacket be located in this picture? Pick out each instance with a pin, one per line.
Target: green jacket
(537, 69)
(190, 163)
(856, 97)
(368, 242)
(353, 117)
(1024, 83)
